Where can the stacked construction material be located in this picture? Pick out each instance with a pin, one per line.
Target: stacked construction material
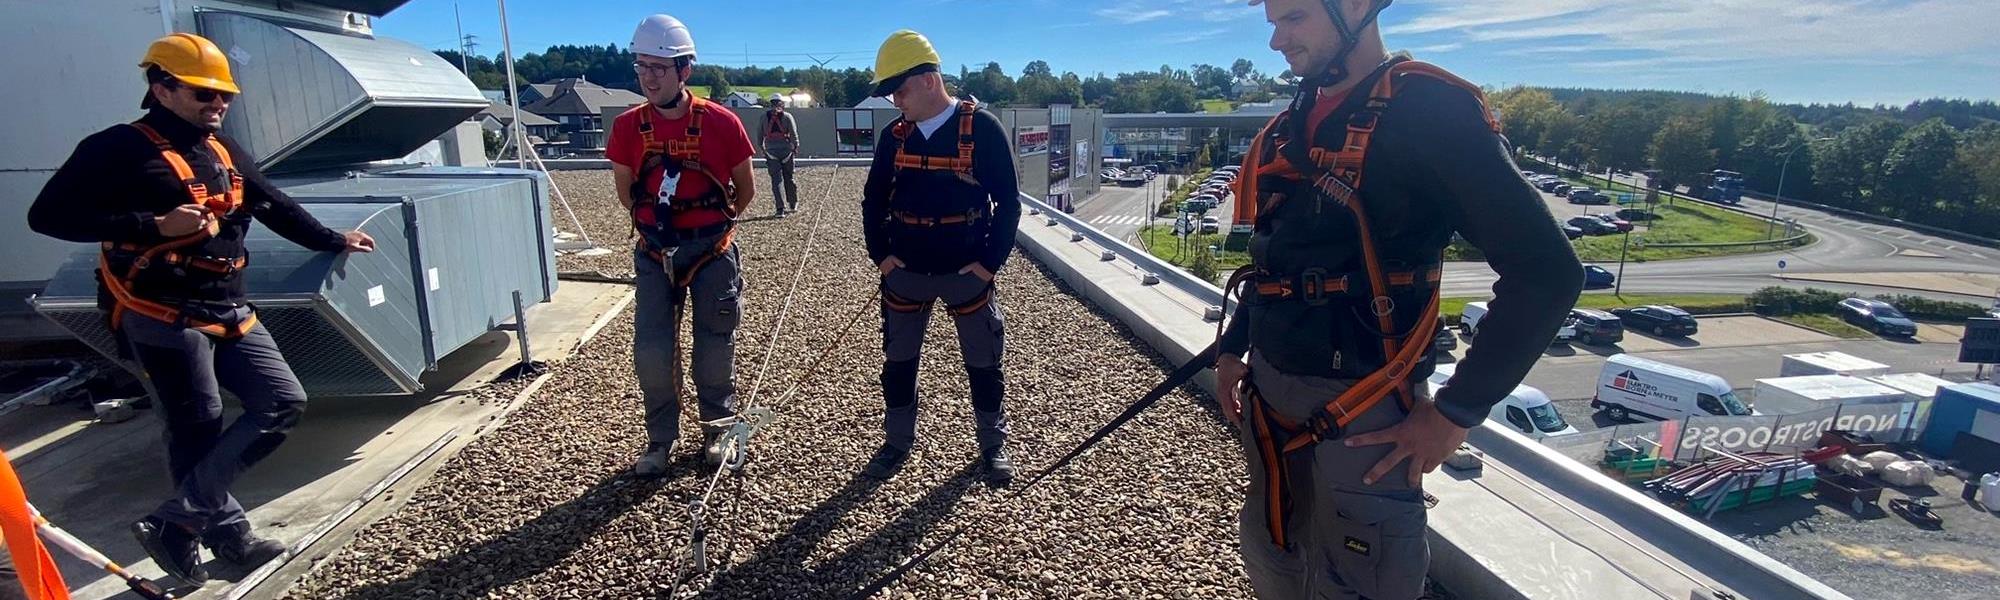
(1731, 480)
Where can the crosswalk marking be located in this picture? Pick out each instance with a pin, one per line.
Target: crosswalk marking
(1118, 220)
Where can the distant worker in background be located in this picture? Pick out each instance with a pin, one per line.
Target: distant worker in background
(1339, 305)
(170, 202)
(781, 145)
(939, 213)
(681, 165)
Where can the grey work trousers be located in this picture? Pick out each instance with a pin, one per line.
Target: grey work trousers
(185, 370)
(784, 186)
(717, 298)
(981, 341)
(1347, 539)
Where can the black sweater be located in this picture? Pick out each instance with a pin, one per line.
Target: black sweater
(116, 182)
(944, 249)
(1433, 156)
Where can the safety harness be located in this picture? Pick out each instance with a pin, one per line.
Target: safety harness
(658, 236)
(774, 125)
(960, 166)
(173, 253)
(1336, 174)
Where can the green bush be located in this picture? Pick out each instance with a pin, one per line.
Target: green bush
(1202, 264)
(1778, 301)
(1919, 307)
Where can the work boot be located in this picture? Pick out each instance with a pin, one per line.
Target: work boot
(999, 468)
(175, 549)
(655, 462)
(887, 461)
(238, 545)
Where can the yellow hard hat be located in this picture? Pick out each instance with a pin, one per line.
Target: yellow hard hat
(905, 53)
(193, 60)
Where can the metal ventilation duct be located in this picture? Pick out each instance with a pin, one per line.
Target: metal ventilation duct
(313, 99)
(370, 7)
(451, 250)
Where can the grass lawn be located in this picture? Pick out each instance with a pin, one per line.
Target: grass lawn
(1162, 243)
(762, 91)
(1679, 223)
(1216, 106)
(1830, 324)
(1694, 303)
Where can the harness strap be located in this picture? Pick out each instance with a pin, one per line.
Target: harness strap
(1313, 285)
(968, 217)
(900, 304)
(217, 204)
(686, 279)
(962, 164)
(685, 150)
(973, 306)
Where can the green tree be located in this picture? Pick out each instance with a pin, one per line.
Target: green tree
(1525, 114)
(1562, 139)
(1242, 68)
(1918, 172)
(1762, 157)
(1619, 137)
(992, 85)
(1848, 169)
(1680, 152)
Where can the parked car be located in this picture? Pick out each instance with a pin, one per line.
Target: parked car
(1591, 225)
(1446, 340)
(1587, 196)
(1474, 312)
(1621, 224)
(1661, 320)
(1132, 179)
(1637, 214)
(1994, 312)
(1598, 277)
(1547, 184)
(1877, 316)
(1232, 169)
(1597, 327)
(1527, 410)
(1571, 232)
(1202, 203)
(1561, 189)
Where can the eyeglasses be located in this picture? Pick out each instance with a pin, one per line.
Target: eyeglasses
(659, 70)
(207, 96)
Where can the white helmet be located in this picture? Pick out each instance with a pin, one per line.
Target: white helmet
(777, 97)
(662, 36)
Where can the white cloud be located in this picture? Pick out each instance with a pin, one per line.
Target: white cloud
(1186, 37)
(1129, 17)
(1663, 33)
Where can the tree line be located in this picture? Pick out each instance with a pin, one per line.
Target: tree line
(1168, 89)
(1934, 162)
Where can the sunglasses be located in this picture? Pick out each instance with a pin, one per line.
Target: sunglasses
(207, 96)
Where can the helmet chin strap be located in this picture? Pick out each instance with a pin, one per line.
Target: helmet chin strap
(675, 102)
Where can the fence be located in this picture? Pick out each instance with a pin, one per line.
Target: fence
(1694, 438)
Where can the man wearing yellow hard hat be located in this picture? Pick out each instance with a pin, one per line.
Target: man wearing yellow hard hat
(939, 212)
(170, 202)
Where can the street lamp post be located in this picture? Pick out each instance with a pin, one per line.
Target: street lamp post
(1770, 230)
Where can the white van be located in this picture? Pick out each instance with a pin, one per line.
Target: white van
(1631, 386)
(1468, 322)
(1527, 410)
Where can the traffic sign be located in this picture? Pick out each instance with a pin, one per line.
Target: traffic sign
(1781, 264)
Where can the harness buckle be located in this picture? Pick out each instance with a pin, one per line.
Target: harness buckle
(1313, 286)
(1324, 426)
(1382, 306)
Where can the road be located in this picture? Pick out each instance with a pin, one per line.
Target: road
(1845, 246)
(1120, 211)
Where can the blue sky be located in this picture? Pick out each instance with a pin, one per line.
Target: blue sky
(1863, 51)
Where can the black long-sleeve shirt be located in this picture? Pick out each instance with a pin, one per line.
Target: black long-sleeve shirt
(1434, 153)
(116, 182)
(944, 249)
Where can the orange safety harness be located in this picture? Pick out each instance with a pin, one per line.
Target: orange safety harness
(171, 254)
(1336, 173)
(960, 166)
(686, 150)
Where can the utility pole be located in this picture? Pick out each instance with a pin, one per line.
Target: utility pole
(463, 40)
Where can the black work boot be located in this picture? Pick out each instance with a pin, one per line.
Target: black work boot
(999, 468)
(175, 549)
(236, 544)
(887, 461)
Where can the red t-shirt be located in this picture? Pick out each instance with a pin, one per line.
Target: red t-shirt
(724, 144)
